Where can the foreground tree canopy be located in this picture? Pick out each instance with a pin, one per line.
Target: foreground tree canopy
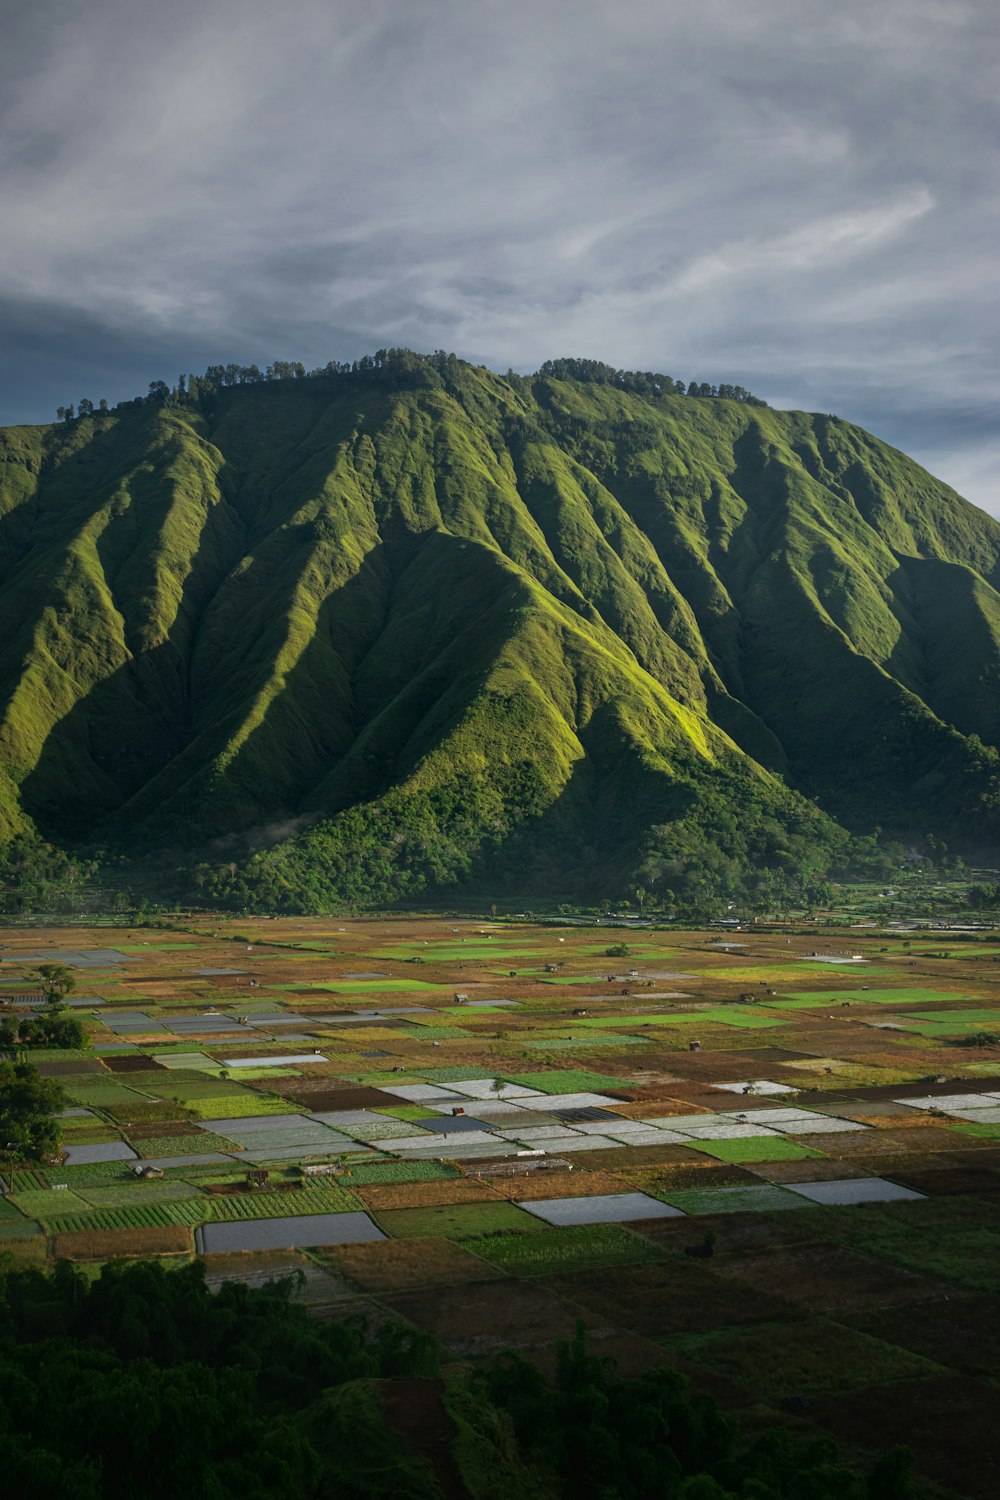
(144, 1383)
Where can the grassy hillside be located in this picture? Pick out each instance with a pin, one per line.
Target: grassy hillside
(382, 632)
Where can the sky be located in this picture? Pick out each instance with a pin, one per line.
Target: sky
(792, 195)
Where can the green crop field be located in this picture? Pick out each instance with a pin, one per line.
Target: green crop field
(368, 1174)
(754, 1148)
(182, 1145)
(546, 1252)
(812, 1358)
(145, 1216)
(956, 1238)
(899, 997)
(764, 1199)
(235, 1106)
(49, 1204)
(129, 1195)
(567, 1081)
(265, 1205)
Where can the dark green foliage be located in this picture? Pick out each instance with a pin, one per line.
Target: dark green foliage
(616, 1439)
(286, 640)
(35, 875)
(56, 981)
(27, 1103)
(50, 1027)
(980, 1039)
(144, 1383)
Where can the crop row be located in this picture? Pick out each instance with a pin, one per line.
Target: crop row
(297, 1203)
(189, 1212)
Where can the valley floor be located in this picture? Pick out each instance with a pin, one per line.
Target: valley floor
(521, 1128)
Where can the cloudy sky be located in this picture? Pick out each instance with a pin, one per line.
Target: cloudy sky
(796, 195)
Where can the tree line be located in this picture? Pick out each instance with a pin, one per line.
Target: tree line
(190, 388)
(642, 382)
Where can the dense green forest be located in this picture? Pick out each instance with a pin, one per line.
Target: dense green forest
(409, 629)
(145, 1383)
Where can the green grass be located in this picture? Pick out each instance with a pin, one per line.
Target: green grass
(370, 1174)
(447, 1073)
(563, 978)
(432, 1033)
(131, 1195)
(50, 1204)
(986, 1131)
(459, 1221)
(567, 1081)
(754, 1148)
(947, 1023)
(21, 1229)
(804, 1002)
(812, 1358)
(735, 1200)
(900, 997)
(101, 1092)
(233, 1107)
(735, 1015)
(547, 1252)
(956, 1237)
(181, 1145)
(89, 1173)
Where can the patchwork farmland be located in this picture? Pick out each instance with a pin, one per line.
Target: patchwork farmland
(770, 1167)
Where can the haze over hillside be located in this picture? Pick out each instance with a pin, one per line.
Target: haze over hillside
(417, 627)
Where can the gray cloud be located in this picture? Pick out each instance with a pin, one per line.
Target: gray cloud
(796, 196)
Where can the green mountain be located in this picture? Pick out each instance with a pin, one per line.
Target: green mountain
(415, 626)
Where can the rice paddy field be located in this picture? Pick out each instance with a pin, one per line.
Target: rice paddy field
(770, 1159)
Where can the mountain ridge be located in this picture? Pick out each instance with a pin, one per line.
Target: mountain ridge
(399, 629)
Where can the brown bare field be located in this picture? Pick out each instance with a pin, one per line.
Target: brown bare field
(400, 1265)
(427, 1194)
(809, 1169)
(823, 1278)
(656, 1108)
(668, 1298)
(107, 1244)
(705, 1173)
(26, 1250)
(948, 1421)
(580, 1183)
(899, 1141)
(481, 1318)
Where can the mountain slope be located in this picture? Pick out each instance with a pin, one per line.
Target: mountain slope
(418, 625)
